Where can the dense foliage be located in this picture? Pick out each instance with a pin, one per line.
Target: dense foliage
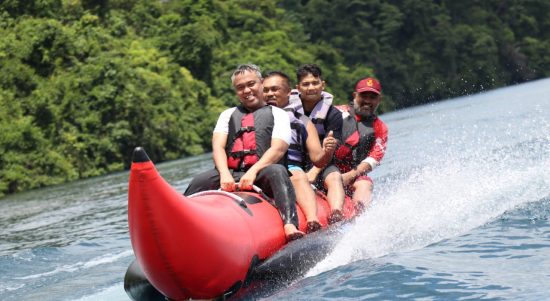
(83, 82)
(430, 50)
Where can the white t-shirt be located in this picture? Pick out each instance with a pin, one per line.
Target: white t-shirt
(281, 124)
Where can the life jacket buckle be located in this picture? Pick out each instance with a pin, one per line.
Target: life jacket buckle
(242, 153)
(246, 129)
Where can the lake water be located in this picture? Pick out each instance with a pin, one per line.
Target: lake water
(461, 211)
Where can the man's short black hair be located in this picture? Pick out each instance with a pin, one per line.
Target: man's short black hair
(306, 69)
(281, 74)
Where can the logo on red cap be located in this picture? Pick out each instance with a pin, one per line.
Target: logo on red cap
(368, 84)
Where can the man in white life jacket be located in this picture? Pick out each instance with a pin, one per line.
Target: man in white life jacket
(248, 145)
(317, 105)
(364, 141)
(304, 143)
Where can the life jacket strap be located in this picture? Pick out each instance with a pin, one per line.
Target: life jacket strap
(245, 129)
(243, 153)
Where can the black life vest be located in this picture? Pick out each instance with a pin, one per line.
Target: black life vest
(249, 137)
(358, 139)
(318, 116)
(296, 153)
(319, 113)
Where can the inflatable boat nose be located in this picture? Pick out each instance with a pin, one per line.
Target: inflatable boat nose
(140, 155)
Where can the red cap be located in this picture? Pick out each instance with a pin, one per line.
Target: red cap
(368, 84)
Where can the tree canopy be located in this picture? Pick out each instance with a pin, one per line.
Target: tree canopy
(424, 51)
(83, 82)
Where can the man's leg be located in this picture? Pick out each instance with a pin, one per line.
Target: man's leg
(208, 180)
(275, 182)
(335, 192)
(305, 197)
(362, 194)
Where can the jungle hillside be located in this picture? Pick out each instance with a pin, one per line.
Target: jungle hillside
(83, 82)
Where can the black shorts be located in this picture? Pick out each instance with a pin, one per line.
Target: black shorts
(320, 181)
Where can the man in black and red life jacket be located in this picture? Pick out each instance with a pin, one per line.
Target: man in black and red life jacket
(248, 145)
(304, 143)
(317, 105)
(365, 137)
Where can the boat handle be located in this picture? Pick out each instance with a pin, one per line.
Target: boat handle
(259, 191)
(236, 198)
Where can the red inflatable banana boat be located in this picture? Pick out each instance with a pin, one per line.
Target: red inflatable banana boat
(207, 245)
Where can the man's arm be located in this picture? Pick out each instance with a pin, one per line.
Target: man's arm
(280, 140)
(378, 150)
(219, 141)
(334, 123)
(361, 169)
(374, 156)
(273, 155)
(319, 156)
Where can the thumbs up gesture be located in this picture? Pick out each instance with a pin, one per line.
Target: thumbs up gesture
(329, 143)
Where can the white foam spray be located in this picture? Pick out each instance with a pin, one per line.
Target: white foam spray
(474, 177)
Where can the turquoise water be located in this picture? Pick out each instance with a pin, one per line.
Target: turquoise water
(461, 211)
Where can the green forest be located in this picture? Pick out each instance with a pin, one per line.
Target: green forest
(82, 82)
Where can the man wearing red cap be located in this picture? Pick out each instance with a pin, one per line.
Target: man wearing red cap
(365, 137)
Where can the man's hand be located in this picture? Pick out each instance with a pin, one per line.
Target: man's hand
(227, 183)
(247, 180)
(312, 174)
(330, 143)
(348, 177)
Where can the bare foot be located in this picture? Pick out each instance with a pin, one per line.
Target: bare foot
(335, 216)
(313, 226)
(360, 207)
(292, 233)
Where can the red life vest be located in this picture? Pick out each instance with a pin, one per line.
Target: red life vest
(358, 140)
(249, 137)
